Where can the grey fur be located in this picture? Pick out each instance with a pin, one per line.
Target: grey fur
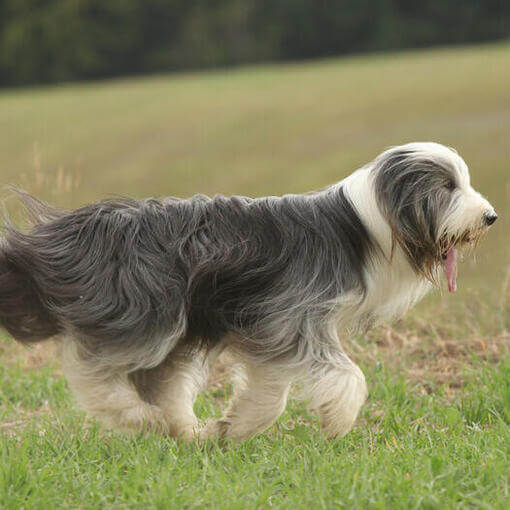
(124, 275)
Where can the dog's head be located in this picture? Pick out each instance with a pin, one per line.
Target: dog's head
(423, 190)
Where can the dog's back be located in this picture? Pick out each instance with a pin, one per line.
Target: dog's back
(123, 272)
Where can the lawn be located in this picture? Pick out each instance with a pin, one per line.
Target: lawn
(435, 430)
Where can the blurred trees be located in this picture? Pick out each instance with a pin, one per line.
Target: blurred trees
(56, 40)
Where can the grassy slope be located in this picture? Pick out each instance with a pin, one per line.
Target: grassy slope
(435, 430)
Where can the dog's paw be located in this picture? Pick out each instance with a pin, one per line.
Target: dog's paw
(185, 432)
(144, 418)
(214, 429)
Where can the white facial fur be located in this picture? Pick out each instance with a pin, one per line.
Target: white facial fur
(393, 285)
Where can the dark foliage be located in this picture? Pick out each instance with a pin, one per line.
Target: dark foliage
(45, 41)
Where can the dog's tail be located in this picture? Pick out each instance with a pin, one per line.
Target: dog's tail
(23, 312)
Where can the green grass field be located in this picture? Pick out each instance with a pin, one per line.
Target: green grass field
(435, 430)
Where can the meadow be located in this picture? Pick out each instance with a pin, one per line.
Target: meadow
(435, 430)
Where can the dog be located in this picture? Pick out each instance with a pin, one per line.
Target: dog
(144, 295)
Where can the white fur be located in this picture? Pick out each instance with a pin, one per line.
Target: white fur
(393, 286)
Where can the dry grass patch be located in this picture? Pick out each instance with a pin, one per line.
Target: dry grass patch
(427, 354)
(30, 358)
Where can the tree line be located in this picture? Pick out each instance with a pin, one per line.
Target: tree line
(43, 41)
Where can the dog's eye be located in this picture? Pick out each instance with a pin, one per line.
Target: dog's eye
(450, 185)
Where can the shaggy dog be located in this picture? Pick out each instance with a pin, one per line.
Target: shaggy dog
(144, 295)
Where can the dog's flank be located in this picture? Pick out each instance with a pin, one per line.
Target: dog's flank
(145, 294)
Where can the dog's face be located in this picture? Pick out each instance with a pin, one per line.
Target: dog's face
(425, 194)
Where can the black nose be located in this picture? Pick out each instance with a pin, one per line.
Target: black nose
(490, 218)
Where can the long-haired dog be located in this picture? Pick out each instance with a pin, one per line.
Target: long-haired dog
(144, 295)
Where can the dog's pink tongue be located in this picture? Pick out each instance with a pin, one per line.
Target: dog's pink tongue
(450, 267)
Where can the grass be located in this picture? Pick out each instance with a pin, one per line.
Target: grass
(415, 447)
(435, 430)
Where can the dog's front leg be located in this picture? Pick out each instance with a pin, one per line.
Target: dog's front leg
(336, 390)
(260, 397)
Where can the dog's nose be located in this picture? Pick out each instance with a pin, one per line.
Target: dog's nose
(490, 217)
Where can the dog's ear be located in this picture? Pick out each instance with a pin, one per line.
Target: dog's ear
(414, 193)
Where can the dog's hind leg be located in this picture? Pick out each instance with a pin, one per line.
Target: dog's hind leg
(177, 384)
(335, 389)
(260, 397)
(108, 393)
